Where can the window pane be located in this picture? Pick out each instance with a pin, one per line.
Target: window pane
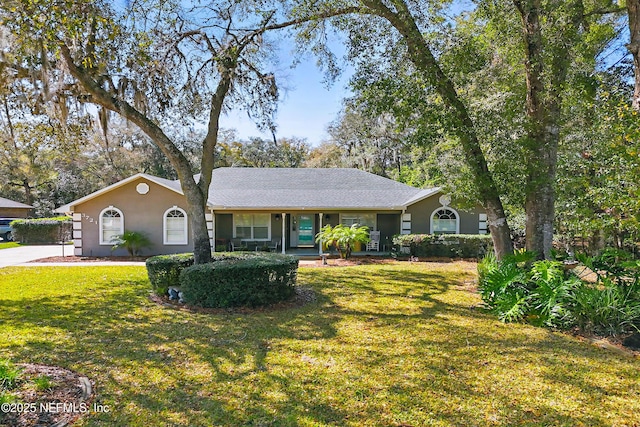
(242, 220)
(175, 227)
(260, 232)
(444, 221)
(261, 220)
(243, 232)
(111, 225)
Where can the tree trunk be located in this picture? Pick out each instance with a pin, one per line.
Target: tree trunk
(196, 199)
(633, 11)
(544, 100)
(424, 60)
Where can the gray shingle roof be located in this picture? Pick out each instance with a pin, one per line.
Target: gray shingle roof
(334, 188)
(6, 203)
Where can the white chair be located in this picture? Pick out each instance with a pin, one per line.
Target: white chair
(374, 242)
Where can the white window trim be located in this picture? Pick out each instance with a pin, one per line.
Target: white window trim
(252, 226)
(100, 230)
(375, 218)
(185, 234)
(433, 214)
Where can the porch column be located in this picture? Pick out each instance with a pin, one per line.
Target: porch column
(213, 229)
(320, 215)
(284, 232)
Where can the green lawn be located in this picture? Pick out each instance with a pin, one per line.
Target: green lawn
(389, 345)
(7, 245)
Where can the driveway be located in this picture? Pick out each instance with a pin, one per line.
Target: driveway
(23, 254)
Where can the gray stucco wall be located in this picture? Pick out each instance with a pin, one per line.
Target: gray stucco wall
(142, 212)
(421, 216)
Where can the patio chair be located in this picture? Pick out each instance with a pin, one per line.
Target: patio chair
(374, 242)
(273, 246)
(236, 244)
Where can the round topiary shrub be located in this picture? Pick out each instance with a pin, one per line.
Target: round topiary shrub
(237, 280)
(164, 271)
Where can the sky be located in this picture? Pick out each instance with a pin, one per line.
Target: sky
(307, 105)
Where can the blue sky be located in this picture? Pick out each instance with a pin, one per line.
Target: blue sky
(307, 105)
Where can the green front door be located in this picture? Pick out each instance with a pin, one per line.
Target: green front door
(306, 230)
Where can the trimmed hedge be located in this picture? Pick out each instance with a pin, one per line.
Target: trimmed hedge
(42, 230)
(444, 245)
(164, 271)
(235, 280)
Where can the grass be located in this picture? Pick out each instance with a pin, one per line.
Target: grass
(7, 245)
(388, 345)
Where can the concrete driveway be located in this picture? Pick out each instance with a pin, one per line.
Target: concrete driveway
(23, 254)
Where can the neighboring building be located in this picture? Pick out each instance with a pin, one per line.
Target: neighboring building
(279, 207)
(13, 209)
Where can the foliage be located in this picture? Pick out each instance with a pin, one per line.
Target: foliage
(164, 271)
(133, 241)
(263, 153)
(445, 245)
(235, 281)
(10, 375)
(343, 237)
(543, 293)
(42, 230)
(43, 383)
(379, 344)
(607, 308)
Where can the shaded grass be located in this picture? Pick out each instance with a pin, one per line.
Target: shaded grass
(387, 345)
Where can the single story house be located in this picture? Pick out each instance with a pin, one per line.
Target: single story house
(280, 207)
(13, 209)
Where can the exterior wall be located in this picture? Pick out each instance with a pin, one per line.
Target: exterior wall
(14, 212)
(421, 216)
(388, 223)
(142, 212)
(389, 226)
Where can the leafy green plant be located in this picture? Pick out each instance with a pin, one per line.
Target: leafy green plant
(42, 383)
(445, 245)
(517, 288)
(256, 280)
(343, 238)
(133, 241)
(9, 375)
(164, 270)
(42, 230)
(606, 308)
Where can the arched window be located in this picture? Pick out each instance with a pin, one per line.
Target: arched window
(445, 221)
(175, 227)
(111, 225)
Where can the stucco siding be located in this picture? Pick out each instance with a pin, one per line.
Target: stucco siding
(142, 213)
(421, 216)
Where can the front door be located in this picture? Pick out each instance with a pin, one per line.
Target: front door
(305, 230)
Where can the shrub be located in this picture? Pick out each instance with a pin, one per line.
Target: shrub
(445, 245)
(9, 375)
(240, 280)
(164, 270)
(133, 241)
(607, 308)
(343, 238)
(42, 230)
(543, 293)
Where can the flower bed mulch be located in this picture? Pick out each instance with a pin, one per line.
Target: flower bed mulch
(68, 398)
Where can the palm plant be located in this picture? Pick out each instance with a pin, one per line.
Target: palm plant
(133, 241)
(343, 238)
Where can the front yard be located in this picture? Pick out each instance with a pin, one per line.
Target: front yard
(387, 345)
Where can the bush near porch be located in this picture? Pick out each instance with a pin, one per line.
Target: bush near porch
(443, 245)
